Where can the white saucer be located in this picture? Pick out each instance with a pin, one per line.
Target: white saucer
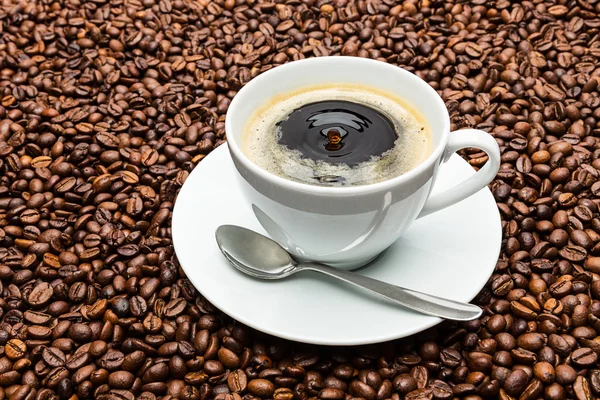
(450, 253)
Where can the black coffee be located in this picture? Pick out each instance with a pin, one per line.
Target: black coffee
(336, 136)
(337, 132)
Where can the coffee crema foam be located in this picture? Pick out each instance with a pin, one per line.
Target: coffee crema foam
(261, 135)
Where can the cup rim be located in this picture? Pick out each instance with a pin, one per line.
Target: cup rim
(385, 185)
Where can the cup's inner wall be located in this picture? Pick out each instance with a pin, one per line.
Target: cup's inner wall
(296, 76)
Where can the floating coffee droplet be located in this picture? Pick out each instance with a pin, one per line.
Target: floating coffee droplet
(334, 139)
(337, 132)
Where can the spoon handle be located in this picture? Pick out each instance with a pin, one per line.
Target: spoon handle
(422, 302)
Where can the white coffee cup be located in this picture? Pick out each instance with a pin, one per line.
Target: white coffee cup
(347, 227)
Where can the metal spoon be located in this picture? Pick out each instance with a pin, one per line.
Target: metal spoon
(261, 257)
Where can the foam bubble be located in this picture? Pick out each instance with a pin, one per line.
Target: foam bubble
(260, 140)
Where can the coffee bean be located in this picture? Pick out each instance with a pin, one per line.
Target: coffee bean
(23, 392)
(53, 357)
(421, 375)
(228, 358)
(80, 332)
(156, 373)
(450, 357)
(121, 380)
(55, 376)
(516, 382)
(581, 388)
(554, 392)
(464, 389)
(112, 360)
(237, 381)
(331, 394)
(132, 361)
(39, 332)
(565, 374)
(533, 390)
(15, 349)
(98, 348)
(77, 360)
(360, 389)
(213, 367)
(175, 307)
(505, 341)
(544, 371)
(405, 383)
(441, 390)
(496, 324)
(261, 388)
(573, 253)
(40, 295)
(531, 341)
(584, 357)
(429, 351)
(9, 378)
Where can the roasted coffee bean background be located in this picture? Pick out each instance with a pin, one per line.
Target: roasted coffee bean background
(107, 105)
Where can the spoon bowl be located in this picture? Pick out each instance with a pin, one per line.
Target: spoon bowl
(254, 254)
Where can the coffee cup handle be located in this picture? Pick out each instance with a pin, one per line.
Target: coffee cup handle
(460, 140)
